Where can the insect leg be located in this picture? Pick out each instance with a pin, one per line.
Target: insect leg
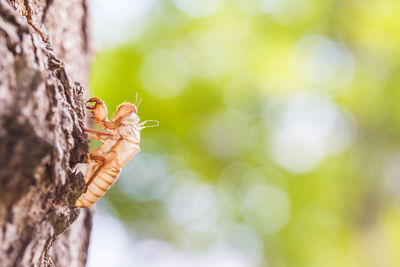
(95, 137)
(103, 161)
(156, 124)
(97, 132)
(98, 169)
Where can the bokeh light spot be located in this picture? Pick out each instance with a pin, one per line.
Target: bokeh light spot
(198, 8)
(194, 206)
(101, 254)
(266, 208)
(143, 182)
(323, 62)
(310, 128)
(119, 21)
(271, 6)
(224, 136)
(164, 73)
(206, 54)
(243, 239)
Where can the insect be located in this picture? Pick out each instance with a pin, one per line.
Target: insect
(121, 140)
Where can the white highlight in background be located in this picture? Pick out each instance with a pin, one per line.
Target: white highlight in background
(119, 21)
(110, 243)
(198, 8)
(194, 206)
(310, 128)
(323, 62)
(145, 178)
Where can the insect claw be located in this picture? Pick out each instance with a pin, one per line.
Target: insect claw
(79, 168)
(82, 126)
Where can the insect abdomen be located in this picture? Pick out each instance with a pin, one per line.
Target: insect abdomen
(100, 185)
(108, 174)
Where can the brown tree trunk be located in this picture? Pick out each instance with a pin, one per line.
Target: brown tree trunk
(44, 58)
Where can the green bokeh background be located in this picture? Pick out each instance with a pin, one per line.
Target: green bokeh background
(225, 80)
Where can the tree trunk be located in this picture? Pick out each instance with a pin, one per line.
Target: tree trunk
(44, 57)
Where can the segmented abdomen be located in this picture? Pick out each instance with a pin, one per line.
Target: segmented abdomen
(100, 185)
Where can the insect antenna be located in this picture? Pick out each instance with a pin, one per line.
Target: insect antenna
(136, 101)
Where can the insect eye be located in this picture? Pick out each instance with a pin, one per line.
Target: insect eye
(91, 104)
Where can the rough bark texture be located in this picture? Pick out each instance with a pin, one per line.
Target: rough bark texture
(41, 142)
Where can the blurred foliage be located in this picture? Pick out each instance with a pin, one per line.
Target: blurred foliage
(279, 129)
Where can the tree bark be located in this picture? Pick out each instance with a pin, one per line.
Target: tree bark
(45, 55)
